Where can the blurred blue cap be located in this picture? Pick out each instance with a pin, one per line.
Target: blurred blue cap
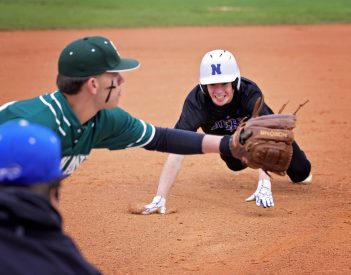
(29, 154)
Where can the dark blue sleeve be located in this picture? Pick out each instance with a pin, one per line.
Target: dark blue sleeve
(300, 166)
(176, 141)
(183, 142)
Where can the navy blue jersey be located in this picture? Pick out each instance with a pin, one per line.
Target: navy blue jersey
(32, 239)
(200, 112)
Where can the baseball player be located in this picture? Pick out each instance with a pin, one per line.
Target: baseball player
(217, 105)
(32, 239)
(84, 113)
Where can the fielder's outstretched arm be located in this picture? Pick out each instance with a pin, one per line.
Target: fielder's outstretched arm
(184, 142)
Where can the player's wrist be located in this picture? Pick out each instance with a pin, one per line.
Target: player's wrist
(225, 146)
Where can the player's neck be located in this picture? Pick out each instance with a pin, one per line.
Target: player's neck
(82, 106)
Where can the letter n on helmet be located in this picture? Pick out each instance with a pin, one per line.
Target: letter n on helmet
(219, 66)
(216, 69)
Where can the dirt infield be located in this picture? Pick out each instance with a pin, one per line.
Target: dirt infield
(214, 231)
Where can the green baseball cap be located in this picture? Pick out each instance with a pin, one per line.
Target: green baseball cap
(93, 55)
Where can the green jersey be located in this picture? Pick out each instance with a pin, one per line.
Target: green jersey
(113, 129)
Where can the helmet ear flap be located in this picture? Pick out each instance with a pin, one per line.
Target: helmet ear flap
(235, 84)
(203, 88)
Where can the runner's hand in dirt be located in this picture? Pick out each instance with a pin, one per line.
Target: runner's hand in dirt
(263, 194)
(158, 205)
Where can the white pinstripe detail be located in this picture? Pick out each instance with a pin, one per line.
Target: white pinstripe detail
(59, 105)
(3, 107)
(144, 132)
(142, 135)
(70, 163)
(64, 160)
(62, 131)
(54, 112)
(153, 131)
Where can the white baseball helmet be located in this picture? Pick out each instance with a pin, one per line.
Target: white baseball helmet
(219, 66)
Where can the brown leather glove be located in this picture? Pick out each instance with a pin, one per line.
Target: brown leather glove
(265, 142)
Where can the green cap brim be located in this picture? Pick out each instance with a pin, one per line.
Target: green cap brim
(125, 64)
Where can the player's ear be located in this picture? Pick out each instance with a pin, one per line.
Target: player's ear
(92, 85)
(54, 196)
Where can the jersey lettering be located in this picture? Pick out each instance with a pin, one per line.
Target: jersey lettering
(70, 163)
(229, 124)
(216, 69)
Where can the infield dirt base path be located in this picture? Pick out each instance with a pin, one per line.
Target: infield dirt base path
(214, 230)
